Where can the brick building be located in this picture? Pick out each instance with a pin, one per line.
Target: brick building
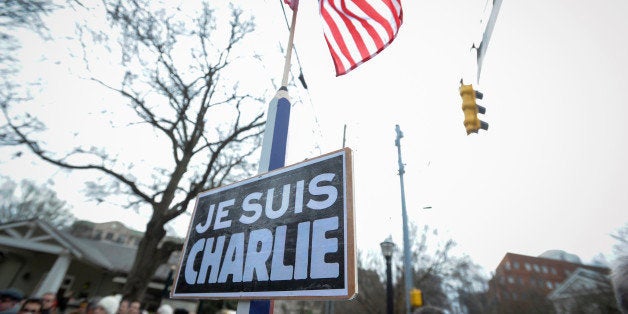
(517, 274)
(521, 281)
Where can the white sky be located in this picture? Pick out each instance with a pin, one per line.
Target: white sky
(550, 173)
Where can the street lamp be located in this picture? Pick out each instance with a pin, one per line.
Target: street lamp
(388, 246)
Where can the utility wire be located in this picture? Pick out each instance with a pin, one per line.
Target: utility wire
(317, 126)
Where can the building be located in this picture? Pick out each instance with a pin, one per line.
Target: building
(584, 291)
(523, 283)
(82, 264)
(113, 231)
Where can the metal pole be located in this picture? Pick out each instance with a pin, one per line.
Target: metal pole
(389, 287)
(407, 264)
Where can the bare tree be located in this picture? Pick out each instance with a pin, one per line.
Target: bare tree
(436, 272)
(27, 201)
(209, 127)
(621, 235)
(470, 284)
(16, 14)
(371, 296)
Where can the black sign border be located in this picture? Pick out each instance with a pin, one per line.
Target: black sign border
(349, 245)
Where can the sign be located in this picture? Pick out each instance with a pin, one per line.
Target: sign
(288, 233)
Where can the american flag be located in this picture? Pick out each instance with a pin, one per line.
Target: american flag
(293, 4)
(357, 30)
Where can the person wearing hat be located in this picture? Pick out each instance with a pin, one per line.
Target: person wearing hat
(165, 309)
(107, 305)
(10, 301)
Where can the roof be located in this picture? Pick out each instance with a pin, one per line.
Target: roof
(561, 256)
(515, 256)
(38, 235)
(582, 282)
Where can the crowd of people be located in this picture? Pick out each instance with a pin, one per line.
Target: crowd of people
(13, 301)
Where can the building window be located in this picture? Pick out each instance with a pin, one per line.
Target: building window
(511, 279)
(539, 283)
(520, 280)
(516, 265)
(553, 270)
(536, 268)
(527, 266)
(507, 266)
(549, 285)
(109, 236)
(544, 269)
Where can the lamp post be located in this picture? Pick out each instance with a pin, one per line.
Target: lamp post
(387, 250)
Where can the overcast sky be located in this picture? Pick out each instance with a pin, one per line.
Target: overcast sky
(551, 171)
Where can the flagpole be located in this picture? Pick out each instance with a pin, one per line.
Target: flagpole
(286, 66)
(274, 152)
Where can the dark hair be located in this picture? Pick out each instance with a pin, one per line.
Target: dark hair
(32, 300)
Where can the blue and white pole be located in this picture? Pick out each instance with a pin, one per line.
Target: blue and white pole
(274, 151)
(276, 133)
(273, 157)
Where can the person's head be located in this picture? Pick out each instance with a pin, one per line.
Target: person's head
(135, 307)
(91, 306)
(107, 305)
(9, 298)
(31, 306)
(123, 308)
(620, 283)
(48, 301)
(165, 309)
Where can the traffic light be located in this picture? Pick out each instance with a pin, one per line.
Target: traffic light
(416, 298)
(471, 109)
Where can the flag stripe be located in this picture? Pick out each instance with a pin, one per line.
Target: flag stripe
(348, 18)
(357, 30)
(379, 19)
(336, 43)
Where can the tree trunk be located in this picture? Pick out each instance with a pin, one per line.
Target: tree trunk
(147, 260)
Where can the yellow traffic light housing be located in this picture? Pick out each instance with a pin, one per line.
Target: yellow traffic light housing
(471, 109)
(416, 297)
